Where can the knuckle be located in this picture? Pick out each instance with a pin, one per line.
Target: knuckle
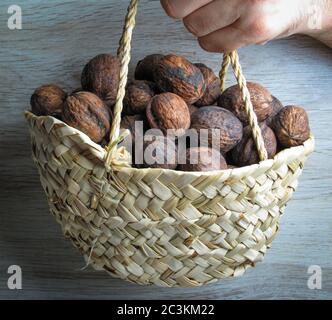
(198, 25)
(192, 26)
(171, 9)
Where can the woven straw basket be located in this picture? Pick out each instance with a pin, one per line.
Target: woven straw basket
(162, 227)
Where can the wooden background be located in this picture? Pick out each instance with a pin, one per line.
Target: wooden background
(57, 39)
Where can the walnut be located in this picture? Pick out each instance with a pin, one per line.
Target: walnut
(192, 109)
(101, 77)
(212, 83)
(87, 113)
(245, 153)
(223, 127)
(231, 99)
(158, 152)
(168, 111)
(291, 126)
(145, 68)
(176, 74)
(276, 107)
(48, 100)
(138, 95)
(203, 159)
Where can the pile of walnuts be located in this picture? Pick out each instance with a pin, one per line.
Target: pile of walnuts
(171, 93)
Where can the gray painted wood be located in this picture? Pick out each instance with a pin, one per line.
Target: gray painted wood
(58, 37)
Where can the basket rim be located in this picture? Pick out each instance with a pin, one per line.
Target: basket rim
(287, 155)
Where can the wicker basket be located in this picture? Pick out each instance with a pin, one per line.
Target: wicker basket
(162, 227)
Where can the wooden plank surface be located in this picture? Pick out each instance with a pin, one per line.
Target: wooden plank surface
(57, 38)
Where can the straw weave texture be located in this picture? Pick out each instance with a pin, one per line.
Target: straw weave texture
(161, 227)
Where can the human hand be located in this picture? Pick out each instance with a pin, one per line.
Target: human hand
(226, 25)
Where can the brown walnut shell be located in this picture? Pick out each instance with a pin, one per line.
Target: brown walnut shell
(88, 113)
(101, 77)
(291, 126)
(145, 68)
(212, 83)
(48, 100)
(138, 95)
(192, 109)
(158, 152)
(167, 111)
(203, 159)
(231, 99)
(221, 124)
(245, 153)
(276, 106)
(177, 75)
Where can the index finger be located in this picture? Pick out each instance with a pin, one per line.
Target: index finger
(179, 9)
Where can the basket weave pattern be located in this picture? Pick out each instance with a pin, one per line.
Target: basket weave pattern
(162, 227)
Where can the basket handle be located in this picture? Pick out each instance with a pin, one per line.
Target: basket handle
(233, 59)
(125, 56)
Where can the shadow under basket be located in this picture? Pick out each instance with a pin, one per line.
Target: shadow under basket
(162, 227)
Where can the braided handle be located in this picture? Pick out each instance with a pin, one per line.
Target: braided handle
(233, 58)
(124, 56)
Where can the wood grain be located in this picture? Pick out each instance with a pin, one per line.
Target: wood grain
(57, 39)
